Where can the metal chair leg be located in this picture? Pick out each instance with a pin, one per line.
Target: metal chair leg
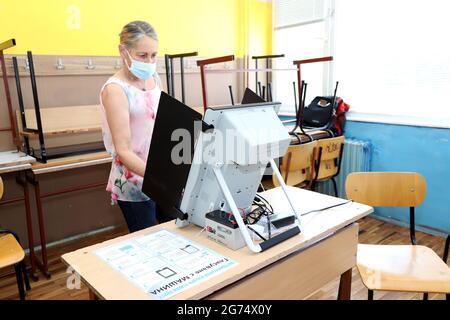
(446, 248)
(19, 278)
(370, 295)
(313, 185)
(335, 187)
(345, 285)
(25, 275)
(339, 290)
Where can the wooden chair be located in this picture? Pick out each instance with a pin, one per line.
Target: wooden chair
(410, 268)
(445, 257)
(1, 188)
(297, 167)
(327, 162)
(447, 245)
(11, 253)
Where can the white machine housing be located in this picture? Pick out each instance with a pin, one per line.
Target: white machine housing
(230, 160)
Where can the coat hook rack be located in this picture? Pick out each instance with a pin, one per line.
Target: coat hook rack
(90, 65)
(118, 64)
(59, 64)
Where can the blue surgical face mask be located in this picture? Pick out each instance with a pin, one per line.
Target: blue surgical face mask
(141, 69)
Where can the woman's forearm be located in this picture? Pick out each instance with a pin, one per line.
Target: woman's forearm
(132, 162)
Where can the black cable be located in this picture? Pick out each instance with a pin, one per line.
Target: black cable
(257, 213)
(263, 208)
(267, 202)
(260, 204)
(252, 218)
(333, 206)
(256, 232)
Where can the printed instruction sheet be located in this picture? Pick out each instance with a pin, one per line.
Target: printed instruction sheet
(164, 264)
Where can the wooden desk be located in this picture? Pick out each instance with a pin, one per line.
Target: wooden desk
(293, 269)
(13, 161)
(56, 165)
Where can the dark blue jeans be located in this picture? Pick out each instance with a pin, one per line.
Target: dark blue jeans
(138, 215)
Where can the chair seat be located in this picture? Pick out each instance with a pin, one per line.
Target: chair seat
(402, 268)
(10, 251)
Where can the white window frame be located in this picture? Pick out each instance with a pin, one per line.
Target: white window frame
(327, 86)
(355, 115)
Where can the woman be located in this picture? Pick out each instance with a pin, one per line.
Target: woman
(129, 102)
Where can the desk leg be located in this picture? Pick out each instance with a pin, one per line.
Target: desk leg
(37, 192)
(42, 236)
(345, 285)
(26, 196)
(92, 295)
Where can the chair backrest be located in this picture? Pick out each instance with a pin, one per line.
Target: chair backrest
(1, 187)
(297, 164)
(328, 157)
(386, 189)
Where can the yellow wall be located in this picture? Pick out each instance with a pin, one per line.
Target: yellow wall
(91, 27)
(260, 40)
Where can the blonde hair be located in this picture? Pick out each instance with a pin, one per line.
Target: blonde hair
(135, 30)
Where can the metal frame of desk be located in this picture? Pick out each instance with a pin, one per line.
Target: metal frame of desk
(19, 163)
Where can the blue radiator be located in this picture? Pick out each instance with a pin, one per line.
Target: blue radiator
(357, 157)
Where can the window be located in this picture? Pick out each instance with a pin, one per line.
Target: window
(301, 31)
(391, 58)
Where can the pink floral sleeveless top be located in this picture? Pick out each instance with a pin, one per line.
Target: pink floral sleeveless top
(123, 184)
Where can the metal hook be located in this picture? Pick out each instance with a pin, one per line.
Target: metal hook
(60, 65)
(118, 64)
(90, 66)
